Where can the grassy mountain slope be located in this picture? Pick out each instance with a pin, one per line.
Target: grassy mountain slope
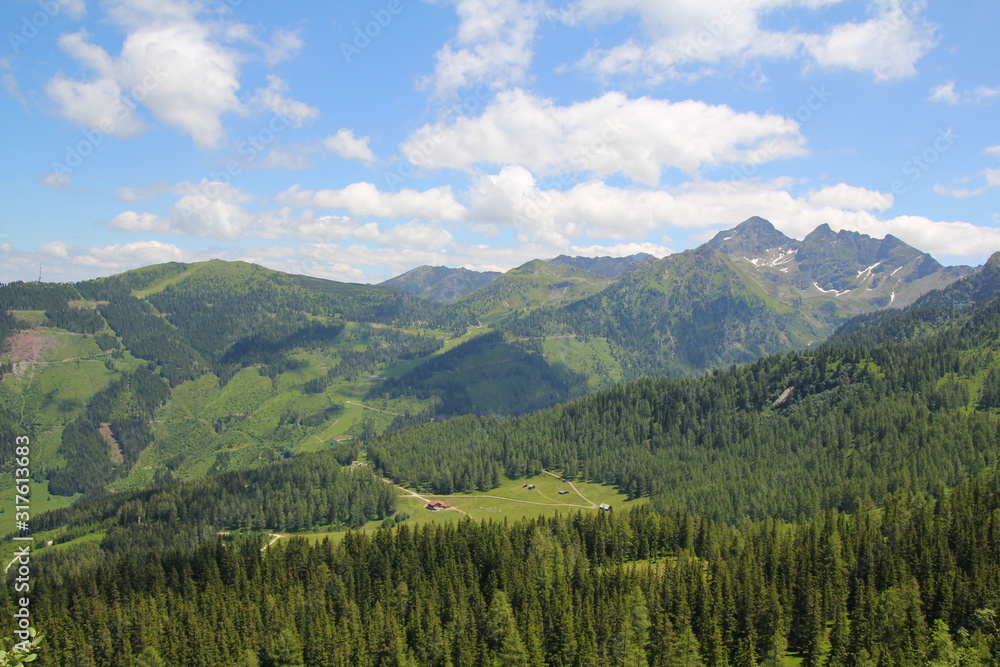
(225, 364)
(786, 435)
(609, 267)
(440, 283)
(530, 286)
(748, 292)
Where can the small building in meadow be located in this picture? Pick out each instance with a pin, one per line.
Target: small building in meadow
(604, 506)
(437, 505)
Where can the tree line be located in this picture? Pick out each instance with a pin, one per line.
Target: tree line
(912, 583)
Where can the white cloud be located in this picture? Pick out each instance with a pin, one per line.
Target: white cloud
(57, 249)
(686, 38)
(621, 250)
(281, 157)
(958, 193)
(985, 94)
(596, 210)
(416, 235)
(100, 103)
(947, 94)
(10, 83)
(607, 135)
(990, 178)
(992, 150)
(851, 198)
(273, 99)
(285, 44)
(74, 9)
(593, 209)
(365, 200)
(57, 181)
(148, 192)
(172, 65)
(120, 257)
(887, 45)
(207, 209)
(350, 147)
(130, 221)
(493, 46)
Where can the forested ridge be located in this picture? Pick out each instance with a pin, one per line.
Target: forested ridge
(786, 436)
(837, 507)
(913, 584)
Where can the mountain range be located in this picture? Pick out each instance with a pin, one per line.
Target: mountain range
(216, 447)
(260, 364)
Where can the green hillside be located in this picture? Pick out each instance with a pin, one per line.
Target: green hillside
(836, 507)
(530, 286)
(784, 436)
(190, 368)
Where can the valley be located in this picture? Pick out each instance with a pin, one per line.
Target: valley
(646, 436)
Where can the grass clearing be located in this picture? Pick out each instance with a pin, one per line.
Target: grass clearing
(511, 501)
(40, 501)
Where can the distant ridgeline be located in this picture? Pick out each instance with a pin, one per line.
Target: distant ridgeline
(839, 506)
(908, 406)
(144, 335)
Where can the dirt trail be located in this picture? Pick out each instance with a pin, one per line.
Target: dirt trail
(413, 494)
(575, 490)
(361, 405)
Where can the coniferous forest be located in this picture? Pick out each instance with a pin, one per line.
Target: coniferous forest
(837, 507)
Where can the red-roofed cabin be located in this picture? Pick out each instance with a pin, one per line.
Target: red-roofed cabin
(437, 505)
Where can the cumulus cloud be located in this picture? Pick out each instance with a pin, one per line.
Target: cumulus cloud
(887, 45)
(851, 198)
(988, 179)
(273, 99)
(946, 93)
(284, 45)
(57, 249)
(57, 181)
(364, 200)
(611, 134)
(120, 257)
(350, 147)
(596, 210)
(208, 209)
(957, 193)
(622, 250)
(493, 46)
(171, 64)
(687, 38)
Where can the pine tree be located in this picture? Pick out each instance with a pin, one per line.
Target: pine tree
(506, 645)
(630, 643)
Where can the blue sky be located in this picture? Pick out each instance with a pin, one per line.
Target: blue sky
(356, 140)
